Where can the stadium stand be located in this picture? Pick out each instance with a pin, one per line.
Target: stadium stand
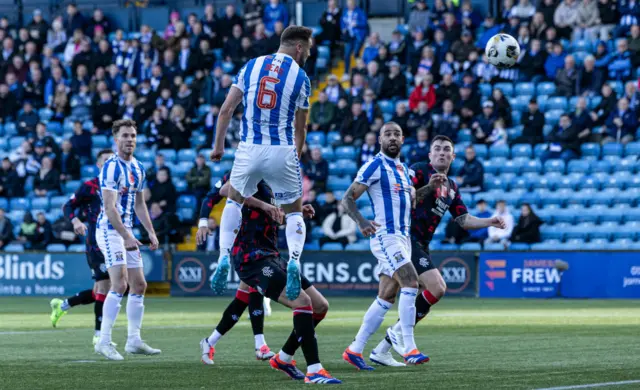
(572, 154)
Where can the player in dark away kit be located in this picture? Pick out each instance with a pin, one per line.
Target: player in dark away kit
(257, 261)
(436, 193)
(85, 204)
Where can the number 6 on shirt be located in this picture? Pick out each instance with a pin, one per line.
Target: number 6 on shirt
(263, 92)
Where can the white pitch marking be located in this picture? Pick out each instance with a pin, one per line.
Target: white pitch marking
(592, 385)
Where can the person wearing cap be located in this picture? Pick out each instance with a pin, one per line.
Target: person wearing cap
(395, 84)
(532, 125)
(419, 17)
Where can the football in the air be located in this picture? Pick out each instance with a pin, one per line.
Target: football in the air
(502, 50)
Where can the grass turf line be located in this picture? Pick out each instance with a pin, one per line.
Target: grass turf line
(473, 343)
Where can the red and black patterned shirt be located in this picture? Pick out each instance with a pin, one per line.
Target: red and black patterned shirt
(429, 211)
(85, 205)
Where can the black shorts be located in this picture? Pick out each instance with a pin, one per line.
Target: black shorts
(421, 258)
(95, 259)
(268, 276)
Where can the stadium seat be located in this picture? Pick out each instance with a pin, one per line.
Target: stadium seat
(632, 149)
(612, 149)
(186, 214)
(14, 142)
(40, 203)
(554, 165)
(499, 151)
(316, 138)
(511, 166)
(552, 117)
(554, 232)
(519, 246)
(556, 103)
(546, 88)
(332, 246)
(494, 246)
(515, 119)
(181, 185)
(545, 246)
(145, 155)
(346, 152)
(525, 89)
(312, 246)
(187, 155)
(506, 88)
(578, 166)
(601, 166)
(521, 150)
(14, 248)
(100, 141)
(335, 183)
(89, 171)
(20, 204)
(76, 248)
(584, 45)
(481, 151)
(4, 204)
(386, 106)
(347, 167)
(357, 246)
(520, 183)
(485, 90)
(187, 201)
(169, 155)
(56, 248)
(583, 216)
(470, 246)
(327, 153)
(317, 232)
(564, 215)
(334, 138)
(627, 165)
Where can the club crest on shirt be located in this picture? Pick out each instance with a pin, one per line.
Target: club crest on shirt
(132, 179)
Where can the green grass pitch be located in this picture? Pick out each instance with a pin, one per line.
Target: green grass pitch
(473, 344)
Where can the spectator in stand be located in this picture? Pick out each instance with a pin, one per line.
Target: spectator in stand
(447, 123)
(423, 92)
(634, 40)
(355, 126)
(43, 233)
(179, 129)
(6, 230)
(8, 104)
(533, 125)
(524, 10)
(372, 110)
(467, 106)
(104, 112)
(587, 20)
(47, 181)
(538, 27)
(590, 79)
(470, 177)
(501, 106)
(356, 92)
(620, 65)
(498, 135)
(27, 119)
(480, 235)
(354, 30)
(483, 124)
(253, 15)
(528, 228)
(497, 234)
(447, 90)
(10, 182)
(633, 96)
(563, 141)
(317, 170)
(420, 150)
(163, 191)
(68, 163)
(565, 18)
(554, 62)
(42, 135)
(621, 124)
(323, 114)
(199, 178)
(81, 143)
(489, 28)
(419, 17)
(419, 119)
(609, 18)
(27, 233)
(629, 15)
(369, 149)
(582, 120)
(566, 78)
(343, 110)
(451, 29)
(607, 105)
(395, 84)
(374, 79)
(505, 13)
(398, 47)
(401, 117)
(372, 47)
(462, 48)
(470, 18)
(275, 12)
(74, 21)
(338, 227)
(415, 49)
(34, 88)
(334, 90)
(427, 62)
(384, 59)
(360, 69)
(330, 23)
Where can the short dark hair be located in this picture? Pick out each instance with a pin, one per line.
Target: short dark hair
(103, 152)
(117, 125)
(441, 137)
(294, 34)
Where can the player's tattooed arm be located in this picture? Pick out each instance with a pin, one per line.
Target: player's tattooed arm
(354, 192)
(435, 181)
(469, 222)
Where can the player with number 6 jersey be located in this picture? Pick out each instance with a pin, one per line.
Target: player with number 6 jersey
(274, 90)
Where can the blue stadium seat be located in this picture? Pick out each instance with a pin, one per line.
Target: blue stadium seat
(506, 88)
(20, 204)
(470, 246)
(386, 106)
(316, 138)
(347, 167)
(568, 182)
(494, 247)
(55, 128)
(515, 118)
(520, 183)
(186, 214)
(518, 103)
(630, 196)
(485, 90)
(327, 153)
(552, 117)
(601, 166)
(323, 52)
(632, 149)
(187, 155)
(532, 166)
(583, 216)
(335, 183)
(495, 183)
(346, 152)
(181, 169)
(627, 165)
(14, 142)
(525, 89)
(554, 165)
(613, 182)
(100, 141)
(578, 166)
(316, 232)
(40, 203)
(89, 171)
(632, 215)
(492, 166)
(56, 248)
(582, 45)
(601, 232)
(367, 212)
(546, 88)
(357, 246)
(617, 87)
(187, 201)
(76, 248)
(556, 103)
(499, 151)
(564, 215)
(332, 246)
(552, 232)
(519, 246)
(633, 182)
(14, 248)
(145, 155)
(334, 138)
(481, 151)
(593, 102)
(312, 246)
(545, 246)
(169, 155)
(612, 149)
(521, 150)
(181, 185)
(600, 198)
(4, 204)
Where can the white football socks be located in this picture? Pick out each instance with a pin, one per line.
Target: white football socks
(372, 320)
(229, 226)
(407, 311)
(213, 339)
(259, 340)
(296, 234)
(110, 312)
(135, 311)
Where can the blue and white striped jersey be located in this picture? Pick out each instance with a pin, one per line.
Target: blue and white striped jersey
(127, 178)
(389, 182)
(274, 87)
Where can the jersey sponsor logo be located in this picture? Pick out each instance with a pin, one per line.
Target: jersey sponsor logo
(190, 274)
(456, 274)
(441, 207)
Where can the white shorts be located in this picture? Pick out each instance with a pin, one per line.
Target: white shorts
(278, 166)
(392, 251)
(111, 245)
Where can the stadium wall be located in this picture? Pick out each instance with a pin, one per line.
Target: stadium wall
(468, 274)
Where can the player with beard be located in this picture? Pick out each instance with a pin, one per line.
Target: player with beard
(388, 182)
(436, 193)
